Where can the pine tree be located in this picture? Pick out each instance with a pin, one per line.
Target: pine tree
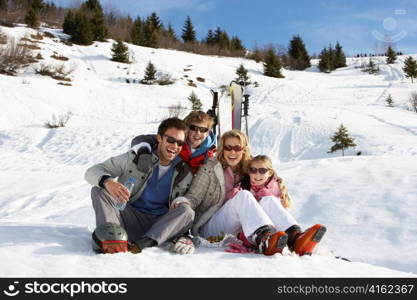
(410, 68)
(99, 27)
(96, 19)
(339, 57)
(299, 58)
(256, 54)
(210, 40)
(242, 74)
(371, 67)
(170, 32)
(37, 5)
(389, 101)
(217, 35)
(155, 21)
(32, 18)
(150, 34)
(3, 5)
(87, 24)
(92, 5)
(236, 44)
(136, 32)
(342, 140)
(150, 74)
(391, 56)
(82, 29)
(69, 23)
(188, 32)
(223, 40)
(272, 64)
(195, 101)
(120, 52)
(331, 59)
(326, 60)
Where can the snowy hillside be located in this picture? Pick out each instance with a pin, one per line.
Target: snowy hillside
(368, 202)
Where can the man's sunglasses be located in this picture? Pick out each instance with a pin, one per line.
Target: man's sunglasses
(256, 170)
(236, 148)
(172, 140)
(198, 128)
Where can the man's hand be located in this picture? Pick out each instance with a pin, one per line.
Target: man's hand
(184, 245)
(117, 190)
(176, 204)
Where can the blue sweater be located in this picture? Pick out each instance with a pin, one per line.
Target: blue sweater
(155, 198)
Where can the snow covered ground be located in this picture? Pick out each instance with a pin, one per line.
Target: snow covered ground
(368, 202)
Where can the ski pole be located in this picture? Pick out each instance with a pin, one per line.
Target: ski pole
(246, 112)
(212, 111)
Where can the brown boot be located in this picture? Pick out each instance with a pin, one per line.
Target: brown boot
(134, 248)
(305, 242)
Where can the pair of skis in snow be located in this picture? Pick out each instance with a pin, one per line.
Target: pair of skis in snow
(227, 112)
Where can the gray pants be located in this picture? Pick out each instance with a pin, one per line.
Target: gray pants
(138, 224)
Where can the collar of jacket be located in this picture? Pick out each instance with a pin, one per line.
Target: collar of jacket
(205, 146)
(176, 162)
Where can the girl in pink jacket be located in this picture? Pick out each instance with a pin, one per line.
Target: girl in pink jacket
(265, 185)
(262, 181)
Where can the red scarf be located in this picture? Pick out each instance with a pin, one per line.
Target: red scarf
(195, 162)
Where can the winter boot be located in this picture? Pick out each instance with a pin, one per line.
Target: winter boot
(241, 236)
(270, 241)
(304, 243)
(109, 238)
(134, 248)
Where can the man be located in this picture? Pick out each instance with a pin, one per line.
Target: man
(159, 178)
(200, 145)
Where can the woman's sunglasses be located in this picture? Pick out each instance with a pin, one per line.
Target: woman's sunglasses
(236, 148)
(198, 128)
(172, 140)
(256, 170)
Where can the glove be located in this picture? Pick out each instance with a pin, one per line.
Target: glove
(237, 248)
(183, 246)
(144, 159)
(142, 148)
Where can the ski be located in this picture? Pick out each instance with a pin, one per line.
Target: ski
(236, 93)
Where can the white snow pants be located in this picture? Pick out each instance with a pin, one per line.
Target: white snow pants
(244, 212)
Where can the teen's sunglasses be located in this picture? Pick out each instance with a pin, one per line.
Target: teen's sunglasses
(236, 148)
(172, 140)
(198, 128)
(256, 170)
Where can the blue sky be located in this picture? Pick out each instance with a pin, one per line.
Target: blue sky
(359, 26)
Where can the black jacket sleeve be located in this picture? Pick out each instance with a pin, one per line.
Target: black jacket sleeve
(145, 138)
